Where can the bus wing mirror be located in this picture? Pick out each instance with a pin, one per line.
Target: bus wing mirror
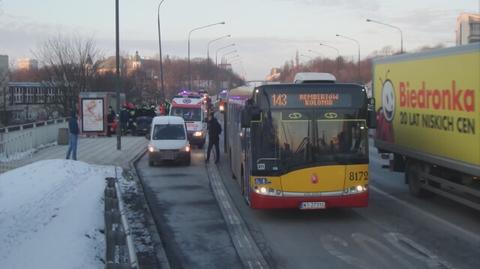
(245, 118)
(372, 115)
(250, 113)
(256, 113)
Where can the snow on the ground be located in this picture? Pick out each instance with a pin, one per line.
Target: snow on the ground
(51, 215)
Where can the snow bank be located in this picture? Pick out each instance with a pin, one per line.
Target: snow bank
(51, 215)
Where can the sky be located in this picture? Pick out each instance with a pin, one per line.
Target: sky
(266, 33)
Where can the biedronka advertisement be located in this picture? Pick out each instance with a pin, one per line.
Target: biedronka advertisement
(430, 102)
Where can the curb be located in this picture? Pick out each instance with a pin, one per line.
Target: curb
(160, 253)
(246, 247)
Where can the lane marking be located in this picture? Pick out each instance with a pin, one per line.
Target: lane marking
(368, 243)
(329, 241)
(421, 253)
(468, 234)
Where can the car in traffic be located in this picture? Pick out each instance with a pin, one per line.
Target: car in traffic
(168, 140)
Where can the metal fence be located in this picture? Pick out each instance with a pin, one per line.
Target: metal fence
(20, 141)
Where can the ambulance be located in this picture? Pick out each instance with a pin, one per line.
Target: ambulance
(191, 108)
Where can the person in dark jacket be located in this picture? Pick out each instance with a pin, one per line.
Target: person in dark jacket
(73, 136)
(214, 130)
(124, 117)
(110, 121)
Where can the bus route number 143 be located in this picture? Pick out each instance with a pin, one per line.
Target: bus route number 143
(279, 99)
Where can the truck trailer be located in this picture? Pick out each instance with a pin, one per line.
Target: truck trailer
(428, 120)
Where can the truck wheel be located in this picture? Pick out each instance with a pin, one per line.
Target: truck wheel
(415, 183)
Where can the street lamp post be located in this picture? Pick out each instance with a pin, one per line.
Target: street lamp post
(219, 49)
(117, 71)
(319, 55)
(358, 45)
(216, 61)
(208, 53)
(392, 26)
(189, 34)
(213, 41)
(162, 86)
(227, 59)
(338, 54)
(225, 54)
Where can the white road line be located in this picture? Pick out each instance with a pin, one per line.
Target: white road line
(468, 234)
(239, 243)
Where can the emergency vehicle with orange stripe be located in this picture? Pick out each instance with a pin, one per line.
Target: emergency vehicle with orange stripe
(191, 107)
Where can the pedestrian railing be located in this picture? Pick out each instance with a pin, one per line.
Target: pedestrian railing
(21, 141)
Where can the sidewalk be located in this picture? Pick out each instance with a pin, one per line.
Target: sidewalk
(93, 150)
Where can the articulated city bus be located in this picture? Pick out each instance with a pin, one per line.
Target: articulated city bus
(302, 145)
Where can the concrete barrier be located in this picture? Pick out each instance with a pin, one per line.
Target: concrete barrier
(62, 138)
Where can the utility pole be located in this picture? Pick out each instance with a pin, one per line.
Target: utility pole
(117, 57)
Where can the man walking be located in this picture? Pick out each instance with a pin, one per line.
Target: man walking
(73, 136)
(214, 130)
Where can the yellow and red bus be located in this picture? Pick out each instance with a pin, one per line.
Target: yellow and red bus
(302, 145)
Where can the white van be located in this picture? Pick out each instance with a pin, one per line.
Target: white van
(168, 140)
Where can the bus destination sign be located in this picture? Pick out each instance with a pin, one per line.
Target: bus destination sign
(311, 100)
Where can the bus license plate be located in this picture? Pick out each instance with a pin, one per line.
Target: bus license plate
(312, 205)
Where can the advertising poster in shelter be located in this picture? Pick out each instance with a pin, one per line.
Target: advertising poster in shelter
(92, 112)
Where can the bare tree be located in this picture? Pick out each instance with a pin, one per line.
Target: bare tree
(71, 62)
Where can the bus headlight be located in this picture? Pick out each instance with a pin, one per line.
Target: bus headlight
(198, 133)
(356, 189)
(268, 192)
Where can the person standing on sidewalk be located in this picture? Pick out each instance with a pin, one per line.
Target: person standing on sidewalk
(214, 130)
(110, 121)
(73, 136)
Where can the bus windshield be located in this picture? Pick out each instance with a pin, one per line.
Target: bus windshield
(290, 139)
(187, 113)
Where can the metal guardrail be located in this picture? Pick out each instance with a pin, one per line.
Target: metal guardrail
(120, 252)
(20, 141)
